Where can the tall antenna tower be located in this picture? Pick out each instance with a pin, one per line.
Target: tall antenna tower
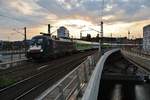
(101, 27)
(101, 19)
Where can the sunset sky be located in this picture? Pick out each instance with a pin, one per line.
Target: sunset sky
(119, 17)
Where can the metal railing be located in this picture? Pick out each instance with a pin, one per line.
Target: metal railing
(6, 65)
(9, 52)
(137, 52)
(72, 85)
(92, 89)
(11, 55)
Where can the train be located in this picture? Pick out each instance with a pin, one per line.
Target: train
(43, 46)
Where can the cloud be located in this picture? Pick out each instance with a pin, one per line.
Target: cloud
(23, 13)
(33, 10)
(129, 10)
(121, 9)
(36, 13)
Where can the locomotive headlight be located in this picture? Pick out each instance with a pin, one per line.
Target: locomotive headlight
(28, 50)
(41, 50)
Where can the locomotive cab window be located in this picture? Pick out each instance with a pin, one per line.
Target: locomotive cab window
(37, 41)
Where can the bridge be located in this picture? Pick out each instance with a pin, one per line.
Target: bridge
(121, 75)
(117, 74)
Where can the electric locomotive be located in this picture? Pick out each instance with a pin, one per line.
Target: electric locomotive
(43, 46)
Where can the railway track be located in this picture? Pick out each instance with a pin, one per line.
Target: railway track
(30, 68)
(47, 75)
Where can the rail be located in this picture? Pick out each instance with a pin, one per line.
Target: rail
(6, 65)
(73, 84)
(91, 92)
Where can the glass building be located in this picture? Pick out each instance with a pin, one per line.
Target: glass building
(146, 38)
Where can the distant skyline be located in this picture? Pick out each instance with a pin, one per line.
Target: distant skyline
(120, 16)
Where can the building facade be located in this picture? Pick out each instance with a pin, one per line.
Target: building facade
(146, 38)
(63, 32)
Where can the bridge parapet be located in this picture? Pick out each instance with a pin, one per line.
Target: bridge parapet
(92, 89)
(73, 84)
(9, 64)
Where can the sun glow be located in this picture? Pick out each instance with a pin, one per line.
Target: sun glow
(75, 26)
(73, 22)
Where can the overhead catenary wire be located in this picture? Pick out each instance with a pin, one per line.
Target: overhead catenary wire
(20, 21)
(28, 22)
(5, 16)
(29, 25)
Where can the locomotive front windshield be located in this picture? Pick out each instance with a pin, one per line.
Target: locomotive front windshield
(37, 41)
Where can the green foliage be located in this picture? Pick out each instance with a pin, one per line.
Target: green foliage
(106, 46)
(82, 46)
(5, 81)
